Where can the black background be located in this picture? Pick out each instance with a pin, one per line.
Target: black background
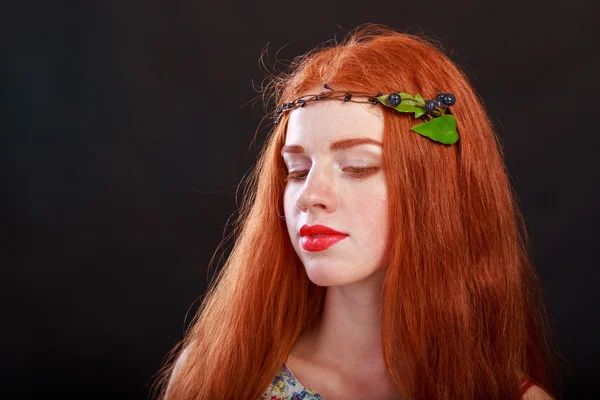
(126, 127)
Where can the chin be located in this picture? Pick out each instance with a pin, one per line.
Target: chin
(328, 275)
(322, 275)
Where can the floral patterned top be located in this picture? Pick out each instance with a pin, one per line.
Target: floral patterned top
(285, 386)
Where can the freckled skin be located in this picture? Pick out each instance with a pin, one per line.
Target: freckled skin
(328, 194)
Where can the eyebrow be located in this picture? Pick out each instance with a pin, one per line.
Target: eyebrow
(335, 146)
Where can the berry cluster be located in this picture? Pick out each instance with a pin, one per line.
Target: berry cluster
(441, 100)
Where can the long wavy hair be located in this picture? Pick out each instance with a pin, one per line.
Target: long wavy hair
(463, 313)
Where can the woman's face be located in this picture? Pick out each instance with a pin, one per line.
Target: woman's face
(333, 156)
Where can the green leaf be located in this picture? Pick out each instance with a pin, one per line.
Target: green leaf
(409, 102)
(442, 129)
(406, 96)
(419, 113)
(420, 99)
(408, 108)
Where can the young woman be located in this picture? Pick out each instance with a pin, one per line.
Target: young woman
(380, 252)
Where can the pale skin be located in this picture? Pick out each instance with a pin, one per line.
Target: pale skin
(342, 358)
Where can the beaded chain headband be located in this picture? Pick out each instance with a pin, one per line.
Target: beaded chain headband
(440, 126)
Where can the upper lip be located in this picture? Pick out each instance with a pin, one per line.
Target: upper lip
(318, 230)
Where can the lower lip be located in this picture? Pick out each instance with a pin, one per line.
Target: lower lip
(310, 243)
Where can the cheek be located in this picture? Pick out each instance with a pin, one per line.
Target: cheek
(287, 200)
(373, 215)
(289, 205)
(370, 203)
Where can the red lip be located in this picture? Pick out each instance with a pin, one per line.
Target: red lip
(318, 230)
(327, 237)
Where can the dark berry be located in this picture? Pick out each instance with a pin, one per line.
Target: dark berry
(430, 105)
(438, 103)
(440, 96)
(394, 99)
(449, 99)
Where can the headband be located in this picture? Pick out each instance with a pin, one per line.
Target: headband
(440, 127)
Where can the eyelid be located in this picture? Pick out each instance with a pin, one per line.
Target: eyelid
(364, 172)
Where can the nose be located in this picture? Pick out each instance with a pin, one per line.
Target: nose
(318, 192)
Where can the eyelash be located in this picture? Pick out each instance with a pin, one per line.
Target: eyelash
(361, 173)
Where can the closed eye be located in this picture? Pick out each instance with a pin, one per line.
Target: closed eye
(355, 172)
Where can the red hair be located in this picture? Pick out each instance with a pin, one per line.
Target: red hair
(463, 312)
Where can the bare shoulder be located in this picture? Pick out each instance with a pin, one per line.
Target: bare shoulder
(536, 393)
(177, 368)
(181, 361)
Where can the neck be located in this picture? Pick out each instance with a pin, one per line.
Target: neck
(348, 336)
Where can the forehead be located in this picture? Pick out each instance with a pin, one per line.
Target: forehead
(325, 121)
